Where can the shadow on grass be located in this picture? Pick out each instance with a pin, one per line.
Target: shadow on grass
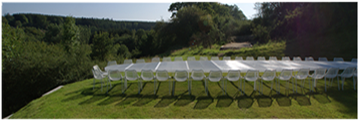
(113, 87)
(242, 91)
(263, 100)
(321, 98)
(73, 92)
(302, 100)
(245, 101)
(348, 97)
(165, 101)
(129, 99)
(184, 100)
(145, 99)
(203, 102)
(112, 99)
(93, 99)
(282, 100)
(82, 89)
(224, 101)
(84, 93)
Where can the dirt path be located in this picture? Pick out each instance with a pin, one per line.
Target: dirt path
(235, 45)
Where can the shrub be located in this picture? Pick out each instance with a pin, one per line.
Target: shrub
(39, 68)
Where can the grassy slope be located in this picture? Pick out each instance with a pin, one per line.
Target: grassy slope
(77, 100)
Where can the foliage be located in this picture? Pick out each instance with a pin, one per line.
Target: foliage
(310, 29)
(54, 34)
(34, 34)
(41, 64)
(71, 34)
(12, 39)
(101, 46)
(42, 67)
(290, 20)
(202, 23)
(261, 33)
(42, 22)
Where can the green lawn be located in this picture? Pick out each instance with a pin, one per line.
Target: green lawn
(79, 100)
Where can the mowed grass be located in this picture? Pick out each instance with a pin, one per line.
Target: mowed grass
(79, 100)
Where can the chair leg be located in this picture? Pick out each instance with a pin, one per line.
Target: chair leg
(287, 88)
(125, 84)
(206, 88)
(154, 86)
(223, 87)
(293, 84)
(255, 86)
(109, 82)
(189, 88)
(243, 85)
(239, 84)
(101, 85)
(173, 87)
(122, 86)
(296, 85)
(325, 84)
(354, 82)
(190, 85)
(314, 84)
(272, 83)
(310, 85)
(139, 86)
(338, 83)
(107, 87)
(343, 80)
(278, 86)
(94, 84)
(303, 84)
(295, 80)
(261, 87)
(332, 79)
(169, 87)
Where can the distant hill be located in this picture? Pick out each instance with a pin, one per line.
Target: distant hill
(42, 21)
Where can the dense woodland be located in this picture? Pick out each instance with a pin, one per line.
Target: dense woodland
(40, 52)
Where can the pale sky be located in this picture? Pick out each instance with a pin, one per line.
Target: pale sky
(134, 11)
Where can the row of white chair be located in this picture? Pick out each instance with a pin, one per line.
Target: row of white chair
(248, 58)
(232, 75)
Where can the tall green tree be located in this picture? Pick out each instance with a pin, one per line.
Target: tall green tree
(71, 34)
(12, 39)
(206, 23)
(54, 34)
(102, 46)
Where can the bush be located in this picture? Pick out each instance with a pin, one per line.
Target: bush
(40, 68)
